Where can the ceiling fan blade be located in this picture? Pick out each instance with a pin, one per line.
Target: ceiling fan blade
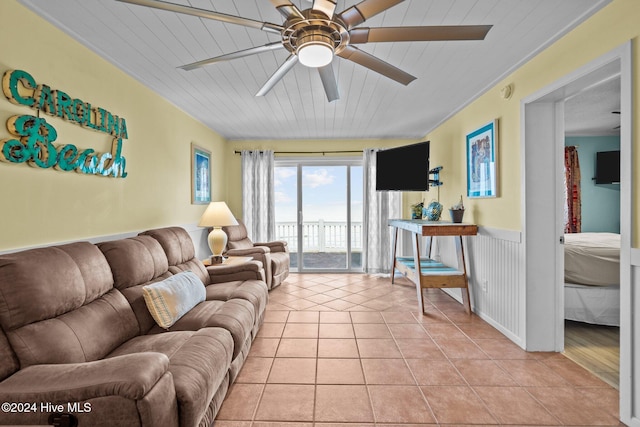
(364, 10)
(375, 64)
(328, 7)
(233, 55)
(287, 9)
(202, 13)
(329, 82)
(278, 75)
(418, 34)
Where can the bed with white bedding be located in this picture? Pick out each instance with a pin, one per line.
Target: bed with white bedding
(592, 278)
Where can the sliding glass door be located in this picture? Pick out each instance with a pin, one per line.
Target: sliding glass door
(319, 213)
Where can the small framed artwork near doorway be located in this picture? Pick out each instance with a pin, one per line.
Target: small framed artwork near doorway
(481, 161)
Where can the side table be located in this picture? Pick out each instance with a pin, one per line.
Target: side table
(229, 261)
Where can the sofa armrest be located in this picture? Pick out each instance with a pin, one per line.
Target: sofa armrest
(275, 246)
(258, 251)
(130, 376)
(252, 270)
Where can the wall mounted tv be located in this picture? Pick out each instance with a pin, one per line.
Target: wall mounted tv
(607, 167)
(403, 168)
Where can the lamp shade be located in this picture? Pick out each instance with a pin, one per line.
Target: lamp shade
(217, 214)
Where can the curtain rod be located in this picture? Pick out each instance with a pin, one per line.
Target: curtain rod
(310, 152)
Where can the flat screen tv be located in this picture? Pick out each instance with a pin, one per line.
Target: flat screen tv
(608, 167)
(403, 168)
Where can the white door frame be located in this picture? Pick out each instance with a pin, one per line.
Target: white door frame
(542, 142)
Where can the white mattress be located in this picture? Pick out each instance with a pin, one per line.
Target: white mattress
(598, 305)
(592, 259)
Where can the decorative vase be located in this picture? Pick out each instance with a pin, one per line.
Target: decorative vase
(456, 215)
(432, 212)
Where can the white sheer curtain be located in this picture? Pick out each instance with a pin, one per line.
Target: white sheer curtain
(379, 207)
(258, 195)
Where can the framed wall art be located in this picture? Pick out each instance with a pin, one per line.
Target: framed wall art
(200, 175)
(482, 145)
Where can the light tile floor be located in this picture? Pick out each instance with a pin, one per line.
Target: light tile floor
(352, 350)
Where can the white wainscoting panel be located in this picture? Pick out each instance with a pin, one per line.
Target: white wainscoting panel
(495, 263)
(198, 235)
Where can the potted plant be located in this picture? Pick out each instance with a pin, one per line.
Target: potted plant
(457, 211)
(416, 211)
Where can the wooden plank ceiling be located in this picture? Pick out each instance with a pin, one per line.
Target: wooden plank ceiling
(150, 44)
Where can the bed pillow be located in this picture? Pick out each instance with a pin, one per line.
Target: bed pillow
(172, 298)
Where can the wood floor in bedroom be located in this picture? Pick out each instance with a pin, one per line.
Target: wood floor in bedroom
(596, 348)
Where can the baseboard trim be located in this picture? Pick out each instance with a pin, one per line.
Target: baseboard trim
(516, 339)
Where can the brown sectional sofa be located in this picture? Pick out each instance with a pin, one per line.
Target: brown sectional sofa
(75, 330)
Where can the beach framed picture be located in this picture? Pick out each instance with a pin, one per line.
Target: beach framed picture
(200, 175)
(482, 146)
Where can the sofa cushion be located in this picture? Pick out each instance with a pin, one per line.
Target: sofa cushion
(42, 283)
(82, 335)
(172, 298)
(134, 261)
(175, 242)
(9, 363)
(236, 316)
(253, 291)
(237, 236)
(53, 300)
(180, 252)
(236, 232)
(199, 362)
(240, 244)
(279, 267)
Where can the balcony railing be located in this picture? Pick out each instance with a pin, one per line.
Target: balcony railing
(321, 236)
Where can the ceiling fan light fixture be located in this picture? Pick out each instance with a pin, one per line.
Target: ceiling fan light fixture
(315, 50)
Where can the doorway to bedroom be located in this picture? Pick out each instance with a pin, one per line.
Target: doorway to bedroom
(592, 228)
(544, 115)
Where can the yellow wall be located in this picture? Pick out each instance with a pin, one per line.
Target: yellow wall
(613, 26)
(40, 206)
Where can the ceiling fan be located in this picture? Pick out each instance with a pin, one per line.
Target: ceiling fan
(314, 36)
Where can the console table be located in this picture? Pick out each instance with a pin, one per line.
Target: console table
(425, 272)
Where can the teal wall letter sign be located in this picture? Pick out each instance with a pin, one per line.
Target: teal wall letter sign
(34, 137)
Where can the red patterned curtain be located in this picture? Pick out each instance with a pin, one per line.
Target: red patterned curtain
(573, 212)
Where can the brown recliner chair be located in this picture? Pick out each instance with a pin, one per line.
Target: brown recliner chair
(273, 255)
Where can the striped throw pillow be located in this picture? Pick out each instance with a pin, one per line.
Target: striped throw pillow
(172, 298)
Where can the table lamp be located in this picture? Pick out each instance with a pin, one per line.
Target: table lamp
(217, 215)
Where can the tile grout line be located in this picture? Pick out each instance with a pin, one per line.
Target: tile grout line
(404, 359)
(398, 303)
(471, 387)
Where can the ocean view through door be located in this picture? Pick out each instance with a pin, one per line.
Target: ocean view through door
(319, 213)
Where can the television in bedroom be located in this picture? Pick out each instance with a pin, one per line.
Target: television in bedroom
(404, 168)
(608, 167)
